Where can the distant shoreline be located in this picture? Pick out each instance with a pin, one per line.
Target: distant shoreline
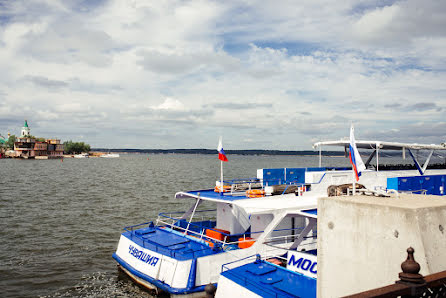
(228, 152)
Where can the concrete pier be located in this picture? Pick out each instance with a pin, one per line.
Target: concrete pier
(362, 240)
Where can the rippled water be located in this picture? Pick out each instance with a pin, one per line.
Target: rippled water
(61, 221)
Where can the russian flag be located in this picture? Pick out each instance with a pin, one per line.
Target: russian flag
(355, 158)
(221, 152)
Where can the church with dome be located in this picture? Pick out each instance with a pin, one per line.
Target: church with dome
(27, 146)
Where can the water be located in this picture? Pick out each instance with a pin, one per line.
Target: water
(61, 221)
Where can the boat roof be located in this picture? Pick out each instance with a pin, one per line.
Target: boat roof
(268, 280)
(257, 205)
(382, 145)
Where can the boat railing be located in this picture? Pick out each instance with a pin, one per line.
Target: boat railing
(249, 237)
(197, 229)
(202, 219)
(277, 241)
(418, 191)
(131, 228)
(242, 181)
(177, 215)
(240, 186)
(308, 243)
(236, 263)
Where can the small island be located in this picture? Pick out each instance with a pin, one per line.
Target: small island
(28, 146)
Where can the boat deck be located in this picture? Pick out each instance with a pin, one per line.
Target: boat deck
(170, 243)
(268, 280)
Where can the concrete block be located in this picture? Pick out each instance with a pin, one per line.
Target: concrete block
(362, 240)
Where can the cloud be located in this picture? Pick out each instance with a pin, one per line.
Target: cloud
(392, 105)
(417, 107)
(179, 63)
(423, 106)
(45, 82)
(422, 132)
(241, 106)
(176, 73)
(170, 104)
(402, 22)
(65, 42)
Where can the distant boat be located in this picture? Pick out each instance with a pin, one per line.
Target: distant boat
(82, 155)
(110, 155)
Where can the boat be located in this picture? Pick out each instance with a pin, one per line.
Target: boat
(110, 155)
(182, 252)
(291, 274)
(294, 274)
(81, 155)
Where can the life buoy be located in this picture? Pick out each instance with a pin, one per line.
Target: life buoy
(226, 188)
(255, 193)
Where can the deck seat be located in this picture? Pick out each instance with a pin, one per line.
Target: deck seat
(245, 242)
(145, 231)
(217, 234)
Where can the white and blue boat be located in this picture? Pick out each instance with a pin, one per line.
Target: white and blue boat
(293, 274)
(182, 252)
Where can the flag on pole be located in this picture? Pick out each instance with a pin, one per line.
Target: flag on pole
(221, 152)
(355, 158)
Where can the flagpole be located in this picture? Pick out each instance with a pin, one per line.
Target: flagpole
(355, 159)
(221, 177)
(222, 157)
(354, 181)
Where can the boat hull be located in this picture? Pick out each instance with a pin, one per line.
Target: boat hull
(166, 273)
(155, 289)
(171, 273)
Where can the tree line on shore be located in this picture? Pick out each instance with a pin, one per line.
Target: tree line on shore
(71, 147)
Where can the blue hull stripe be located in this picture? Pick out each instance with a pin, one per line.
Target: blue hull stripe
(158, 283)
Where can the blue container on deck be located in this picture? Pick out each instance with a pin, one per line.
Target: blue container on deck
(430, 184)
(273, 176)
(289, 175)
(283, 176)
(295, 175)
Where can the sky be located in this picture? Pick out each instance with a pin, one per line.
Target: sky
(265, 74)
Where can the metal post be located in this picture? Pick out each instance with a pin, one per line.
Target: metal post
(354, 182)
(377, 157)
(320, 156)
(192, 216)
(221, 177)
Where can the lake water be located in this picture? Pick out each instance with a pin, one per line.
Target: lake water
(61, 221)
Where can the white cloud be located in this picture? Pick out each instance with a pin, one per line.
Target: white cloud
(170, 104)
(373, 26)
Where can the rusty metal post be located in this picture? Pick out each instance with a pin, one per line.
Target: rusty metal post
(410, 275)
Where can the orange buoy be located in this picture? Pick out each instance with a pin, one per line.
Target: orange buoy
(255, 193)
(226, 188)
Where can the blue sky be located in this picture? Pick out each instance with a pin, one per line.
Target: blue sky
(263, 74)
